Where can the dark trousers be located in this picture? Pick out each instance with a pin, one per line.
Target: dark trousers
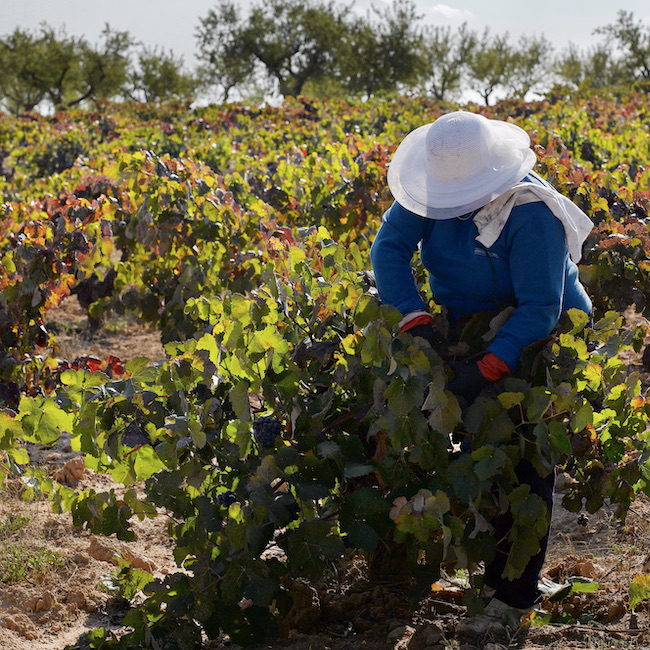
(522, 592)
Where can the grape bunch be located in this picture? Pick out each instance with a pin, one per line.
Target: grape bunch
(293, 510)
(226, 498)
(9, 395)
(266, 430)
(202, 393)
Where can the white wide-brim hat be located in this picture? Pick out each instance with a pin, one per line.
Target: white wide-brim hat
(457, 164)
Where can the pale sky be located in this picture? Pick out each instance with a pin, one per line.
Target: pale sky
(172, 23)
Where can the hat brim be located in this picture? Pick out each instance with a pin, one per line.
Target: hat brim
(415, 189)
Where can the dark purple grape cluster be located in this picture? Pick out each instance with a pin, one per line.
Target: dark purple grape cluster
(9, 394)
(202, 393)
(293, 510)
(226, 498)
(266, 430)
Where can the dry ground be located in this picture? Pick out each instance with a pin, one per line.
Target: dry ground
(51, 610)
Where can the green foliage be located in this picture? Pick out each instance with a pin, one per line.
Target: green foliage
(313, 48)
(634, 39)
(34, 67)
(128, 582)
(293, 41)
(359, 435)
(12, 523)
(63, 70)
(316, 49)
(585, 72)
(103, 68)
(489, 67)
(160, 77)
(243, 236)
(390, 50)
(560, 595)
(639, 590)
(385, 51)
(449, 55)
(529, 65)
(19, 562)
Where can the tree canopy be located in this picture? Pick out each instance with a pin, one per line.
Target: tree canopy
(634, 41)
(280, 48)
(449, 55)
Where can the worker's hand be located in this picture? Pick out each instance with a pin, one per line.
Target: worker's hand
(426, 332)
(467, 381)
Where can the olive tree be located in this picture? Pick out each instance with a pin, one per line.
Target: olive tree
(226, 63)
(386, 50)
(37, 67)
(531, 65)
(160, 76)
(490, 64)
(292, 41)
(593, 69)
(104, 68)
(449, 54)
(633, 38)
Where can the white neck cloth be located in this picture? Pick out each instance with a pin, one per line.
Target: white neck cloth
(492, 217)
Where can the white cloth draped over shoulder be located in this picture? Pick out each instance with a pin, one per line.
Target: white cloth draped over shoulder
(492, 217)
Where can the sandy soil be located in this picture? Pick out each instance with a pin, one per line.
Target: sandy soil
(51, 610)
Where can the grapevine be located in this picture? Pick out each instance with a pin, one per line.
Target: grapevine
(290, 413)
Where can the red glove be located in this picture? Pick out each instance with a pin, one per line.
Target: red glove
(492, 368)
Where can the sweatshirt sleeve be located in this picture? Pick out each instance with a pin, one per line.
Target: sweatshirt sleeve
(391, 254)
(538, 258)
